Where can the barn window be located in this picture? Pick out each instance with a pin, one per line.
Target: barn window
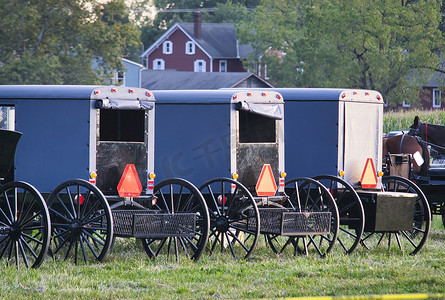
(200, 65)
(167, 47)
(223, 65)
(158, 64)
(122, 125)
(120, 78)
(437, 98)
(406, 104)
(254, 128)
(190, 48)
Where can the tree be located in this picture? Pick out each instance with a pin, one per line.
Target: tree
(58, 41)
(389, 46)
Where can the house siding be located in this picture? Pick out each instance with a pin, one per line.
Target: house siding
(233, 65)
(426, 98)
(179, 60)
(132, 75)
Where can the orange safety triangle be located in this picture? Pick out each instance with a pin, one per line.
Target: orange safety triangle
(129, 185)
(266, 185)
(369, 176)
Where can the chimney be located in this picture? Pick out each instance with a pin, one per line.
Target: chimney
(197, 18)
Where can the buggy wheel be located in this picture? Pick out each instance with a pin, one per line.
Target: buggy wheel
(350, 209)
(307, 195)
(24, 225)
(179, 196)
(82, 224)
(413, 240)
(234, 217)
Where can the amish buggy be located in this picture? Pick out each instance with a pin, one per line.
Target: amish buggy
(431, 177)
(89, 151)
(335, 136)
(231, 144)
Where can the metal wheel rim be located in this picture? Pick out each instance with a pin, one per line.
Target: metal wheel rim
(348, 238)
(25, 225)
(234, 221)
(81, 221)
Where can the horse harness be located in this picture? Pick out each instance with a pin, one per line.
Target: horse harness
(416, 133)
(401, 143)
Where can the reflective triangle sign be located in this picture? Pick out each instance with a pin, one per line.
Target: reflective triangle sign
(129, 185)
(369, 176)
(266, 185)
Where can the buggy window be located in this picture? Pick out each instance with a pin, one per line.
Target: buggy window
(7, 117)
(122, 125)
(255, 128)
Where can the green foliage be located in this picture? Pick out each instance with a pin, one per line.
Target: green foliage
(402, 120)
(57, 42)
(387, 46)
(228, 12)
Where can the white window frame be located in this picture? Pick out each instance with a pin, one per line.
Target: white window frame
(158, 64)
(7, 117)
(198, 67)
(223, 64)
(406, 104)
(190, 48)
(437, 98)
(120, 78)
(167, 47)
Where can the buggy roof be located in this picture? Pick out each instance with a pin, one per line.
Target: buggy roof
(73, 92)
(329, 94)
(223, 96)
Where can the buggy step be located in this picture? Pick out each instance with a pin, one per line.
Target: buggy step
(153, 224)
(283, 221)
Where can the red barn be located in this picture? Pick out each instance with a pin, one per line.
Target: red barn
(197, 47)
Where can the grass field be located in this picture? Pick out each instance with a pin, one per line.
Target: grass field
(128, 273)
(403, 120)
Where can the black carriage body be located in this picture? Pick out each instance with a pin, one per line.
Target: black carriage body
(72, 131)
(433, 186)
(206, 134)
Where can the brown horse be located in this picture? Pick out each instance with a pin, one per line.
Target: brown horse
(433, 135)
(405, 143)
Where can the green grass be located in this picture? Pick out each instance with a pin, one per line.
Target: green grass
(402, 120)
(128, 273)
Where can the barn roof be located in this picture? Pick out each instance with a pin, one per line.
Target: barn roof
(218, 40)
(175, 80)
